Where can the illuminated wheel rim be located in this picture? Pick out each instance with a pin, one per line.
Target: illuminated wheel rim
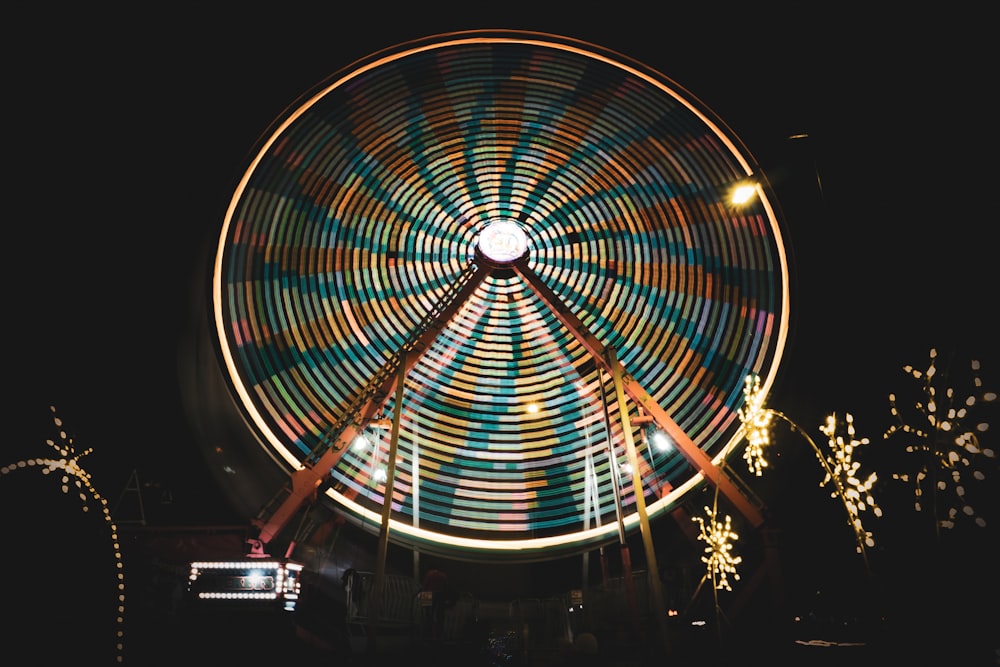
(363, 209)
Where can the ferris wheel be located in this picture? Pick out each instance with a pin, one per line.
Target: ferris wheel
(489, 289)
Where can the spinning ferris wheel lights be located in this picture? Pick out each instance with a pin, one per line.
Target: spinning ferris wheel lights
(543, 202)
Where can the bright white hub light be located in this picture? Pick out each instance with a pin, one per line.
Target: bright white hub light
(503, 241)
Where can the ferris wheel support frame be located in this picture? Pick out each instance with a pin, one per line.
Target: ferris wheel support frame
(695, 455)
(307, 481)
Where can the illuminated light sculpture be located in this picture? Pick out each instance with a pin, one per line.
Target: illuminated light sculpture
(719, 558)
(757, 425)
(426, 202)
(949, 447)
(841, 469)
(843, 472)
(77, 480)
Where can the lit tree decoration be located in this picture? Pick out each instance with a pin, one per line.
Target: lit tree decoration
(75, 478)
(719, 559)
(843, 471)
(947, 448)
(841, 468)
(756, 424)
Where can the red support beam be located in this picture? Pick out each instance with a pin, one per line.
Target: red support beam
(692, 452)
(306, 481)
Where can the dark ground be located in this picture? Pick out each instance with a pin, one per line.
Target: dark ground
(908, 617)
(928, 602)
(266, 638)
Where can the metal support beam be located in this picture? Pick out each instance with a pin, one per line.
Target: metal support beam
(383, 536)
(653, 570)
(692, 452)
(307, 480)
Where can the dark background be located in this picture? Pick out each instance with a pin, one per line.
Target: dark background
(128, 131)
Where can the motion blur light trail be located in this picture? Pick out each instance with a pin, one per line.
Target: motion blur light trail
(362, 209)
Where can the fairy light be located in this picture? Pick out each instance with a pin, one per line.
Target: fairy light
(853, 489)
(720, 559)
(948, 448)
(756, 424)
(77, 480)
(843, 473)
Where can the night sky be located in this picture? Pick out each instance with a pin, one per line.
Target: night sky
(127, 135)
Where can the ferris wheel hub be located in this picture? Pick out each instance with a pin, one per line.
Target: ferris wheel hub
(503, 241)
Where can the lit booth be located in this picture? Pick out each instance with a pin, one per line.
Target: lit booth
(250, 583)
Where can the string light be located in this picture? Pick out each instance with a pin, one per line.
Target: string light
(843, 471)
(756, 424)
(949, 447)
(719, 558)
(75, 479)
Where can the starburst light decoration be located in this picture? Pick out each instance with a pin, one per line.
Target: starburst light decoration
(74, 479)
(840, 467)
(756, 425)
(720, 559)
(946, 448)
(843, 473)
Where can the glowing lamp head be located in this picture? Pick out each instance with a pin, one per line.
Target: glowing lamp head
(743, 193)
(503, 241)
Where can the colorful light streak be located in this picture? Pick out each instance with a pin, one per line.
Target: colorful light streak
(361, 212)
